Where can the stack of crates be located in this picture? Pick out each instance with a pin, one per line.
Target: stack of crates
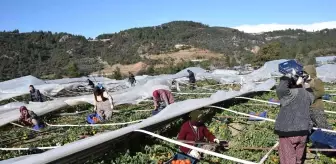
(182, 156)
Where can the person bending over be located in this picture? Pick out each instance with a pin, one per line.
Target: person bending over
(103, 103)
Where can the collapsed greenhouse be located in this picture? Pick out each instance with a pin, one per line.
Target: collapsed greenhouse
(222, 95)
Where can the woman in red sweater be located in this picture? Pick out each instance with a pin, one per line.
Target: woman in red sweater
(195, 130)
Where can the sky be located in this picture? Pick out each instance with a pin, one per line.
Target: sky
(94, 17)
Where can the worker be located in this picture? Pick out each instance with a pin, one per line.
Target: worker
(292, 124)
(35, 95)
(103, 103)
(29, 118)
(131, 79)
(91, 84)
(162, 98)
(317, 108)
(195, 130)
(192, 79)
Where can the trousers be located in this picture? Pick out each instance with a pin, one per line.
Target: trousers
(292, 149)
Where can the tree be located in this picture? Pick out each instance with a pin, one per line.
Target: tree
(117, 74)
(150, 70)
(228, 61)
(72, 70)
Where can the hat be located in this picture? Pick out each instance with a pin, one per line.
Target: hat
(100, 86)
(195, 115)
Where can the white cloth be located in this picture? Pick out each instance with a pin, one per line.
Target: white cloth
(216, 140)
(195, 154)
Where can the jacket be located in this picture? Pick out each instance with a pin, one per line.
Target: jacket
(27, 120)
(317, 87)
(191, 77)
(35, 96)
(163, 96)
(317, 113)
(294, 116)
(188, 133)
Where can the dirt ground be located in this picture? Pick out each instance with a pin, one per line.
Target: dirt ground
(168, 58)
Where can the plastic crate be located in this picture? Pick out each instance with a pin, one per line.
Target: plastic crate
(274, 100)
(323, 139)
(93, 118)
(326, 97)
(262, 114)
(288, 66)
(182, 156)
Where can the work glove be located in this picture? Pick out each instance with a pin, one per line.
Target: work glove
(306, 85)
(112, 106)
(195, 154)
(291, 74)
(216, 140)
(299, 81)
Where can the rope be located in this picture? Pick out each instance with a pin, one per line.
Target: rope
(112, 124)
(71, 114)
(262, 118)
(322, 100)
(329, 101)
(181, 93)
(24, 127)
(244, 114)
(268, 153)
(40, 148)
(247, 98)
(196, 148)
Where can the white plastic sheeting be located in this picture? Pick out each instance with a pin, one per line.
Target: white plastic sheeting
(327, 73)
(171, 111)
(325, 58)
(19, 86)
(11, 106)
(144, 88)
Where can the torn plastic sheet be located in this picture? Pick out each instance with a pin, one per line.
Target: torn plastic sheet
(171, 111)
(327, 73)
(19, 86)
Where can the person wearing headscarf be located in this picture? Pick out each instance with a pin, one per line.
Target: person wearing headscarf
(35, 95)
(29, 118)
(103, 103)
(162, 97)
(316, 87)
(195, 130)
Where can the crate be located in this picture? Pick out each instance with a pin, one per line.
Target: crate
(286, 67)
(93, 118)
(182, 156)
(262, 114)
(323, 138)
(326, 97)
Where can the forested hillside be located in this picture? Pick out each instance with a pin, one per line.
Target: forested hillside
(61, 54)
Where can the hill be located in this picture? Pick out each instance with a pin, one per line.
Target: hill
(52, 55)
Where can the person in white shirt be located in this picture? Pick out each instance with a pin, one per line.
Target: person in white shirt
(103, 103)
